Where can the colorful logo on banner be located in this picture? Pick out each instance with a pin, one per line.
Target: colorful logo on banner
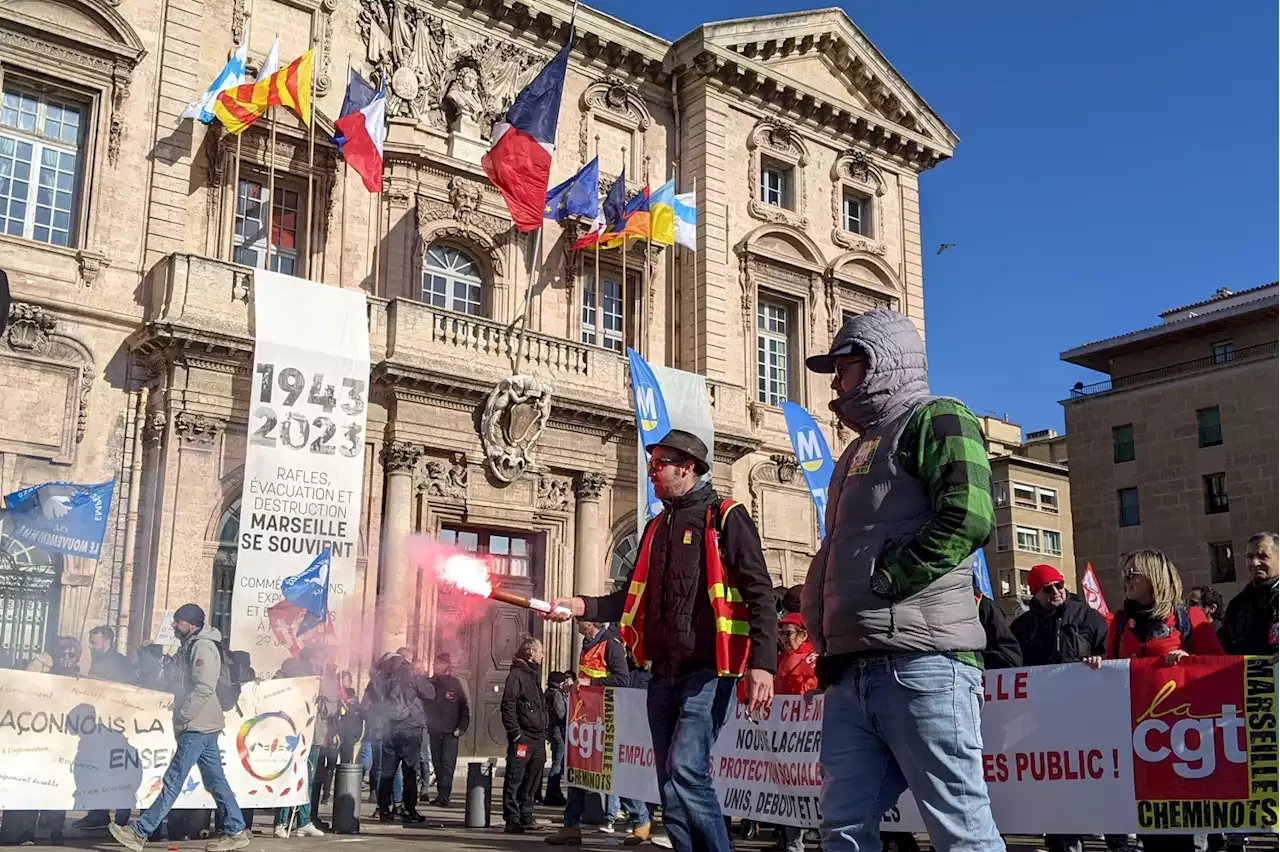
(589, 737)
(982, 575)
(652, 421)
(62, 517)
(267, 744)
(1198, 762)
(813, 455)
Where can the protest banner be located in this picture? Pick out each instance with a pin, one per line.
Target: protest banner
(1137, 747)
(82, 744)
(304, 464)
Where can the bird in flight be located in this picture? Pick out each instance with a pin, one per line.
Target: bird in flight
(945, 246)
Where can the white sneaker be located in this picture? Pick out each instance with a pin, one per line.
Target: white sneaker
(309, 830)
(282, 832)
(607, 828)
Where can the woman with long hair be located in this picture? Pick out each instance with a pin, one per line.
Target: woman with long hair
(1153, 622)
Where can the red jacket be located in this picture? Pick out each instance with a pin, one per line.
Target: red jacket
(796, 672)
(1202, 639)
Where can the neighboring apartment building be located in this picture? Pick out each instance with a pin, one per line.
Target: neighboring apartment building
(1177, 450)
(128, 234)
(1032, 498)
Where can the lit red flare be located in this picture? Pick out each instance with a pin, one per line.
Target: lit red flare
(470, 575)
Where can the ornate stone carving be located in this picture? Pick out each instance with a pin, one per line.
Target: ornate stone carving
(241, 286)
(611, 95)
(555, 493)
(30, 327)
(856, 167)
(90, 263)
(153, 427)
(755, 410)
(424, 58)
(782, 142)
(514, 417)
(853, 242)
(786, 467)
(401, 456)
(238, 16)
(590, 485)
(445, 479)
(196, 430)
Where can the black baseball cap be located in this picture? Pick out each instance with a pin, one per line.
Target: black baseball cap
(687, 444)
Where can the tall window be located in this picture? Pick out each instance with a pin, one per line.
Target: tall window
(603, 316)
(251, 227)
(1122, 443)
(772, 356)
(510, 555)
(857, 210)
(40, 140)
(999, 493)
(1209, 426)
(1224, 352)
(451, 280)
(1222, 562)
(1215, 494)
(1002, 539)
(1052, 542)
(775, 183)
(1127, 498)
(1028, 539)
(224, 569)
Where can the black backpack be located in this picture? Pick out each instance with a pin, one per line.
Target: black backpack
(229, 677)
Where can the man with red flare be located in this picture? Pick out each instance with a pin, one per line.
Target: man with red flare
(699, 609)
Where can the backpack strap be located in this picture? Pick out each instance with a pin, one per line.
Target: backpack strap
(1183, 618)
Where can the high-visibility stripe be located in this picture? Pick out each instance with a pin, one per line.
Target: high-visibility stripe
(729, 593)
(729, 625)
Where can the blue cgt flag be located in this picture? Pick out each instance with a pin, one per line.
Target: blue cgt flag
(981, 575)
(813, 456)
(652, 422)
(62, 517)
(309, 591)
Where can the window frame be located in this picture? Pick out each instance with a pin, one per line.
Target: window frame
(1019, 530)
(865, 225)
(786, 173)
(484, 544)
(44, 89)
(1216, 500)
(1000, 493)
(790, 340)
(452, 279)
(1216, 576)
(1044, 542)
(1004, 535)
(629, 290)
(1137, 507)
(1053, 509)
(1227, 353)
(1117, 446)
(1209, 436)
(1029, 504)
(277, 253)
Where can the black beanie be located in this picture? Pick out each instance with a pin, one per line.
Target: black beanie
(191, 614)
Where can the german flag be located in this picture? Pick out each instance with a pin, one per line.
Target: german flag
(290, 87)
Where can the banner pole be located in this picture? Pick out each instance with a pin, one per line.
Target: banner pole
(523, 318)
(311, 167)
(271, 181)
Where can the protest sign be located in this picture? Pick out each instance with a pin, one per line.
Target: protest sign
(81, 744)
(1137, 747)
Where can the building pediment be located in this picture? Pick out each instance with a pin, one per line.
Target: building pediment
(819, 66)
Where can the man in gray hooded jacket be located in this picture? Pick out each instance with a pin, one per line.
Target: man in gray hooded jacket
(197, 724)
(889, 597)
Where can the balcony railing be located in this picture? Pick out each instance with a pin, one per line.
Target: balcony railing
(1249, 353)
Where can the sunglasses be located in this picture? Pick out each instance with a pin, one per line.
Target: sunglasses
(790, 632)
(1053, 587)
(656, 463)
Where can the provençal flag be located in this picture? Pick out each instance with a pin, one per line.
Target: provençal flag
(290, 87)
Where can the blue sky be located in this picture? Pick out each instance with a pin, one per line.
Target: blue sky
(1116, 159)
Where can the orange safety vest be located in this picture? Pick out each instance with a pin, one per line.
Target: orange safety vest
(733, 641)
(592, 662)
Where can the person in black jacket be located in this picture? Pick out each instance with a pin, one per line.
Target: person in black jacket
(1058, 627)
(1249, 627)
(524, 715)
(557, 700)
(449, 720)
(1002, 651)
(395, 704)
(106, 663)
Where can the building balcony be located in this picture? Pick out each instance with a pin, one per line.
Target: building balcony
(1147, 377)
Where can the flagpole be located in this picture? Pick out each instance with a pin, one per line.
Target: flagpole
(523, 318)
(595, 297)
(235, 167)
(697, 366)
(311, 164)
(342, 223)
(271, 179)
(375, 202)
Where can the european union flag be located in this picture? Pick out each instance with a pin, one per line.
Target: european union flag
(578, 196)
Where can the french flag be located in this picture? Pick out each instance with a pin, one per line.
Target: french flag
(519, 161)
(361, 135)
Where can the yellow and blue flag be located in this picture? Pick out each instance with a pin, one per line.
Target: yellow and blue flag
(673, 217)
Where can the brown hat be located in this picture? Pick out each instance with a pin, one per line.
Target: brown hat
(687, 444)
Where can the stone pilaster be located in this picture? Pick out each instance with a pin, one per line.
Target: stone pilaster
(399, 584)
(589, 533)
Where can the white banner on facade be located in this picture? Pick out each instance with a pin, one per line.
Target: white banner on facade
(304, 464)
(81, 744)
(1138, 747)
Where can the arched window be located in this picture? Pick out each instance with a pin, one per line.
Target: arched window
(622, 559)
(224, 569)
(30, 590)
(451, 279)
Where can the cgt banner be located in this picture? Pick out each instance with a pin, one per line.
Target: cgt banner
(1137, 747)
(81, 744)
(304, 465)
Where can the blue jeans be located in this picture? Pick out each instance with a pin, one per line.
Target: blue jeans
(283, 815)
(576, 806)
(685, 717)
(193, 750)
(898, 722)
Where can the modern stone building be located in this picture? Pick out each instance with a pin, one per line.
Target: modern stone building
(1032, 498)
(127, 233)
(1177, 448)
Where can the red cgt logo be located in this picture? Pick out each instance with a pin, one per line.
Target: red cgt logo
(1188, 730)
(585, 732)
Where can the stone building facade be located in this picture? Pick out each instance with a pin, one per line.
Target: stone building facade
(1176, 450)
(127, 233)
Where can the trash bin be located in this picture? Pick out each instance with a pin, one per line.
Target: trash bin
(347, 781)
(480, 793)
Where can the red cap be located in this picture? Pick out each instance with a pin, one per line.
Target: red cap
(793, 618)
(1041, 575)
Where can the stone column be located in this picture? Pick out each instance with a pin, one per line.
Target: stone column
(399, 585)
(589, 557)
